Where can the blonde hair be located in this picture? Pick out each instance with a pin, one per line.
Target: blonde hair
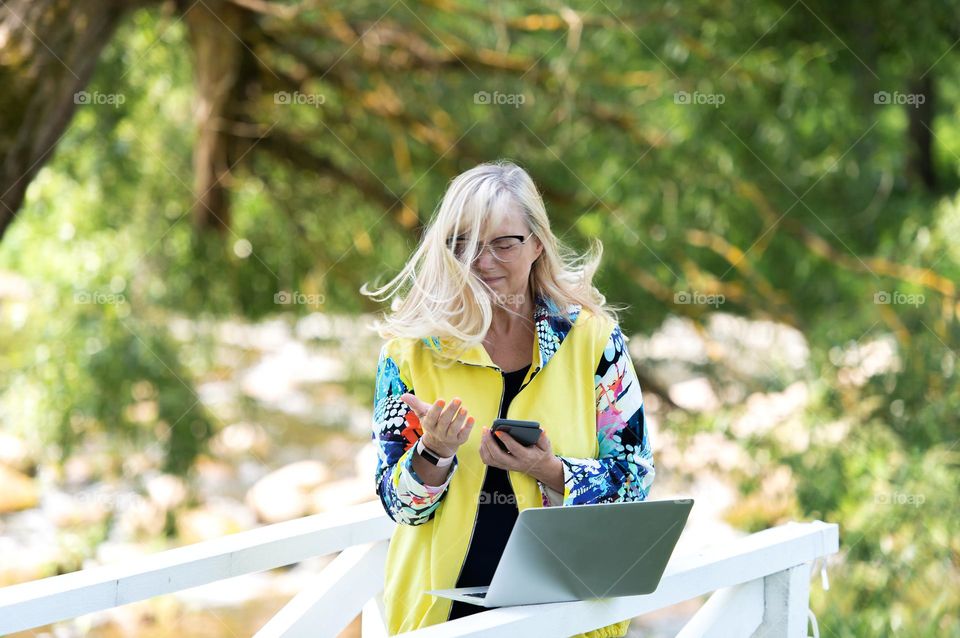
(437, 295)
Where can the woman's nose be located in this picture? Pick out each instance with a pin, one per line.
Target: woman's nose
(485, 260)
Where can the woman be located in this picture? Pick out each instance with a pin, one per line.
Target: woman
(492, 317)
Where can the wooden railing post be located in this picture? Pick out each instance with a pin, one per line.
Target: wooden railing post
(786, 601)
(731, 611)
(373, 621)
(343, 587)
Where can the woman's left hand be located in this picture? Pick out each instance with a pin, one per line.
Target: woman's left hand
(537, 460)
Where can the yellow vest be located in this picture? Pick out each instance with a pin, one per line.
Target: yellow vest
(560, 396)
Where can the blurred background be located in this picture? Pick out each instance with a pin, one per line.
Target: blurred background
(194, 191)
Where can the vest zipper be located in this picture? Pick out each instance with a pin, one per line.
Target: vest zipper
(530, 380)
(476, 514)
(503, 394)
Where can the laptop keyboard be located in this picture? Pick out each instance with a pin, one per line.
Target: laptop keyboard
(479, 594)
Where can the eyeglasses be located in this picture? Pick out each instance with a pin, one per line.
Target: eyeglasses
(504, 249)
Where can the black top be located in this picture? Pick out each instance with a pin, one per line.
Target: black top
(496, 516)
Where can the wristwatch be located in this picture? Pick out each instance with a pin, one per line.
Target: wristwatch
(439, 461)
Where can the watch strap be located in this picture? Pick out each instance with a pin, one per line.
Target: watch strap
(432, 457)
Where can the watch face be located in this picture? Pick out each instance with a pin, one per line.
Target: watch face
(425, 453)
(430, 456)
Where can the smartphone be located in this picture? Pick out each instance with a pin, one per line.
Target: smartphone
(525, 432)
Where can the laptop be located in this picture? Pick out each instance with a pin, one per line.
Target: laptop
(580, 552)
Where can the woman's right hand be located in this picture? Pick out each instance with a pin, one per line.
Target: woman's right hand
(445, 428)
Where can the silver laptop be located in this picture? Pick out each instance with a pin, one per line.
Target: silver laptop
(579, 552)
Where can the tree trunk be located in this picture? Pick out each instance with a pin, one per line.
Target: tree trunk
(921, 166)
(216, 28)
(48, 51)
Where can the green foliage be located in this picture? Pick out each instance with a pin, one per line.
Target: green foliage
(90, 344)
(794, 199)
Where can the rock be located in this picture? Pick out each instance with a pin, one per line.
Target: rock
(22, 563)
(88, 465)
(78, 470)
(138, 463)
(216, 519)
(217, 478)
(19, 491)
(66, 510)
(218, 393)
(142, 518)
(694, 394)
(342, 494)
(338, 450)
(238, 439)
(116, 552)
(14, 454)
(285, 494)
(365, 461)
(167, 491)
(766, 411)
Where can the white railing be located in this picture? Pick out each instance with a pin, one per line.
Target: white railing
(761, 583)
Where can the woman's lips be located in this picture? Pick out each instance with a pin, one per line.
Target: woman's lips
(491, 279)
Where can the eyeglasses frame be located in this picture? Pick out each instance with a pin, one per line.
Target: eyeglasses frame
(487, 246)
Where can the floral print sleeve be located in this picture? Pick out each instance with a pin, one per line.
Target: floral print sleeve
(624, 468)
(396, 429)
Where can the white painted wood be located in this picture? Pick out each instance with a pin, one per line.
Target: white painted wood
(342, 588)
(56, 598)
(712, 568)
(760, 557)
(373, 619)
(786, 603)
(732, 611)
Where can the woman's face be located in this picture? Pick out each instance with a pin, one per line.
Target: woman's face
(507, 279)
